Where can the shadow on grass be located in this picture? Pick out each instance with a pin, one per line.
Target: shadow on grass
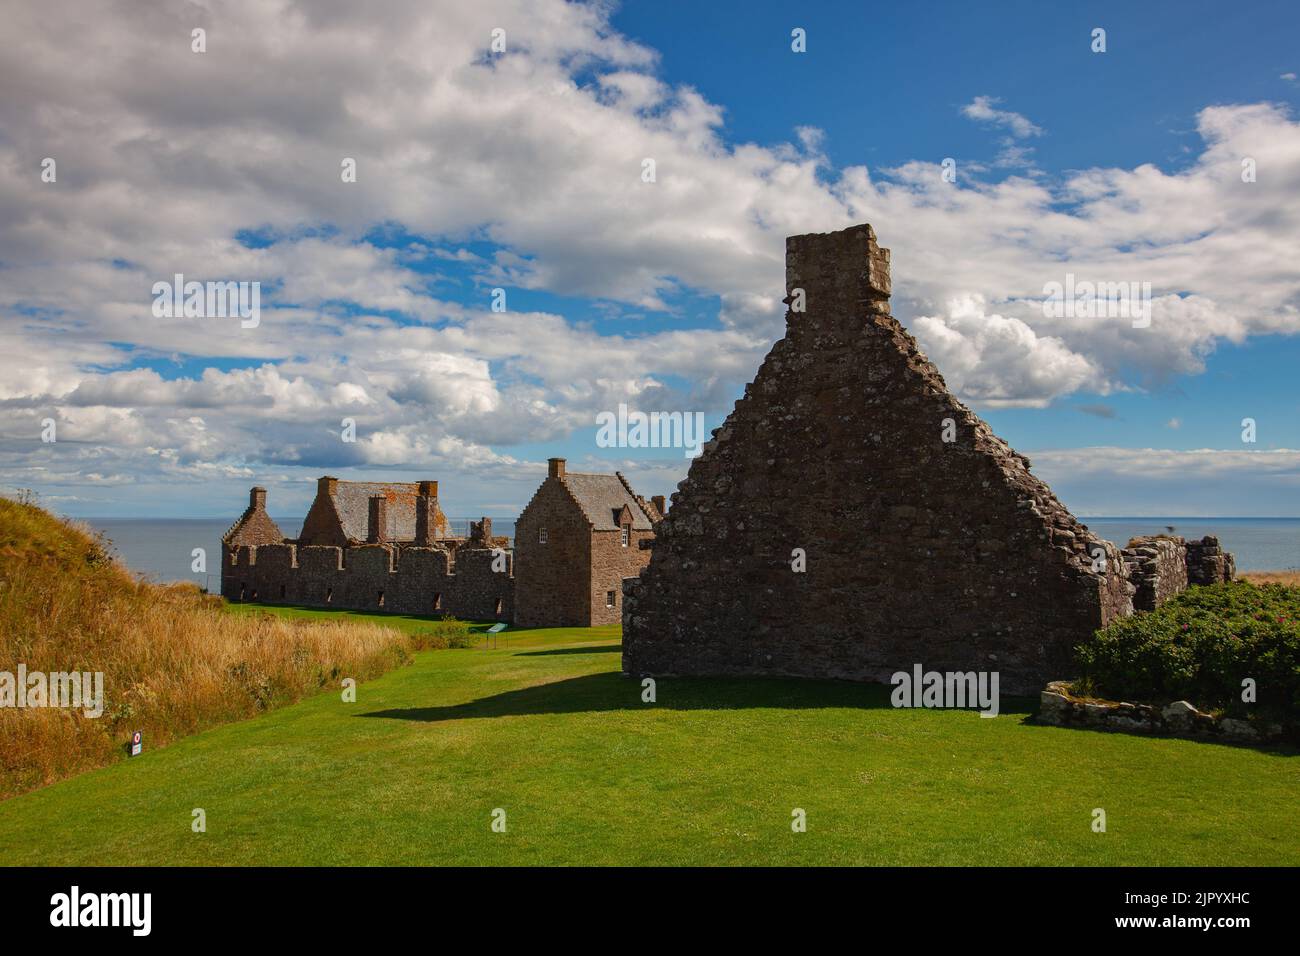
(326, 611)
(599, 649)
(597, 693)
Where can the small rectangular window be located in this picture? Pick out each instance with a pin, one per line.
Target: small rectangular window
(541, 536)
(627, 534)
(610, 598)
(381, 598)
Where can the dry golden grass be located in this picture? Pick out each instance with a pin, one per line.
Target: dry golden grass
(174, 661)
(1291, 578)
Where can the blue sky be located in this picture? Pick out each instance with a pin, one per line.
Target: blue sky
(898, 98)
(521, 170)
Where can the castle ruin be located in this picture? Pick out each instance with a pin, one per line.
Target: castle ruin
(385, 546)
(852, 518)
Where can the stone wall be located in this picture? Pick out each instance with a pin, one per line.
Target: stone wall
(1059, 707)
(572, 578)
(552, 577)
(1207, 563)
(400, 579)
(918, 550)
(1157, 568)
(611, 565)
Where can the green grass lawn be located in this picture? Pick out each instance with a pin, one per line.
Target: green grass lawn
(548, 730)
(403, 622)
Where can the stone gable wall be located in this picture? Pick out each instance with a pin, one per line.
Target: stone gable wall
(553, 583)
(952, 555)
(322, 526)
(254, 526)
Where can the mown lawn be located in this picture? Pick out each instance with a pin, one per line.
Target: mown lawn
(548, 730)
(403, 622)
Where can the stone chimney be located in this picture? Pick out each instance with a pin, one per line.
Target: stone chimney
(836, 271)
(327, 486)
(426, 514)
(661, 503)
(555, 468)
(257, 499)
(480, 532)
(376, 527)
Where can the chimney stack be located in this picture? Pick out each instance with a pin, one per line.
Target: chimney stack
(378, 515)
(661, 504)
(821, 263)
(555, 467)
(427, 523)
(327, 486)
(480, 532)
(257, 499)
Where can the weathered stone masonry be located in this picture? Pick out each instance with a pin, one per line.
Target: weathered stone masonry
(384, 546)
(369, 546)
(918, 550)
(575, 542)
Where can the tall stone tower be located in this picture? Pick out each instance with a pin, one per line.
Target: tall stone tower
(852, 518)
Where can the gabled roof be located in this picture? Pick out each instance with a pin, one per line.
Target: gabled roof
(602, 498)
(352, 502)
(255, 527)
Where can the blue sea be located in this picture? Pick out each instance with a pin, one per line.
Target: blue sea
(161, 548)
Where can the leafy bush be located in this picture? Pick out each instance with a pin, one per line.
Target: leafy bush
(442, 635)
(1200, 646)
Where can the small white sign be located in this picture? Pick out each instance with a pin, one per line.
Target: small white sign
(137, 744)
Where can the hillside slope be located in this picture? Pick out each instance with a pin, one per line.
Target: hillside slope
(173, 661)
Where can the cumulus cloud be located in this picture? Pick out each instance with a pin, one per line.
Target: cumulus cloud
(226, 165)
(998, 360)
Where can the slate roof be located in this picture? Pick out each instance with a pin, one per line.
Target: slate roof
(602, 497)
(352, 502)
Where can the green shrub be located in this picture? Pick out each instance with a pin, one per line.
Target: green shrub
(442, 635)
(1200, 646)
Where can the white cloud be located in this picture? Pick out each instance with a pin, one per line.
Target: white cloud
(1159, 481)
(983, 109)
(166, 156)
(997, 360)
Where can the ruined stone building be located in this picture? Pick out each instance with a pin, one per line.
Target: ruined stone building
(851, 518)
(385, 546)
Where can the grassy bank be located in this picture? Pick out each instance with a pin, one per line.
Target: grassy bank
(174, 661)
(549, 731)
